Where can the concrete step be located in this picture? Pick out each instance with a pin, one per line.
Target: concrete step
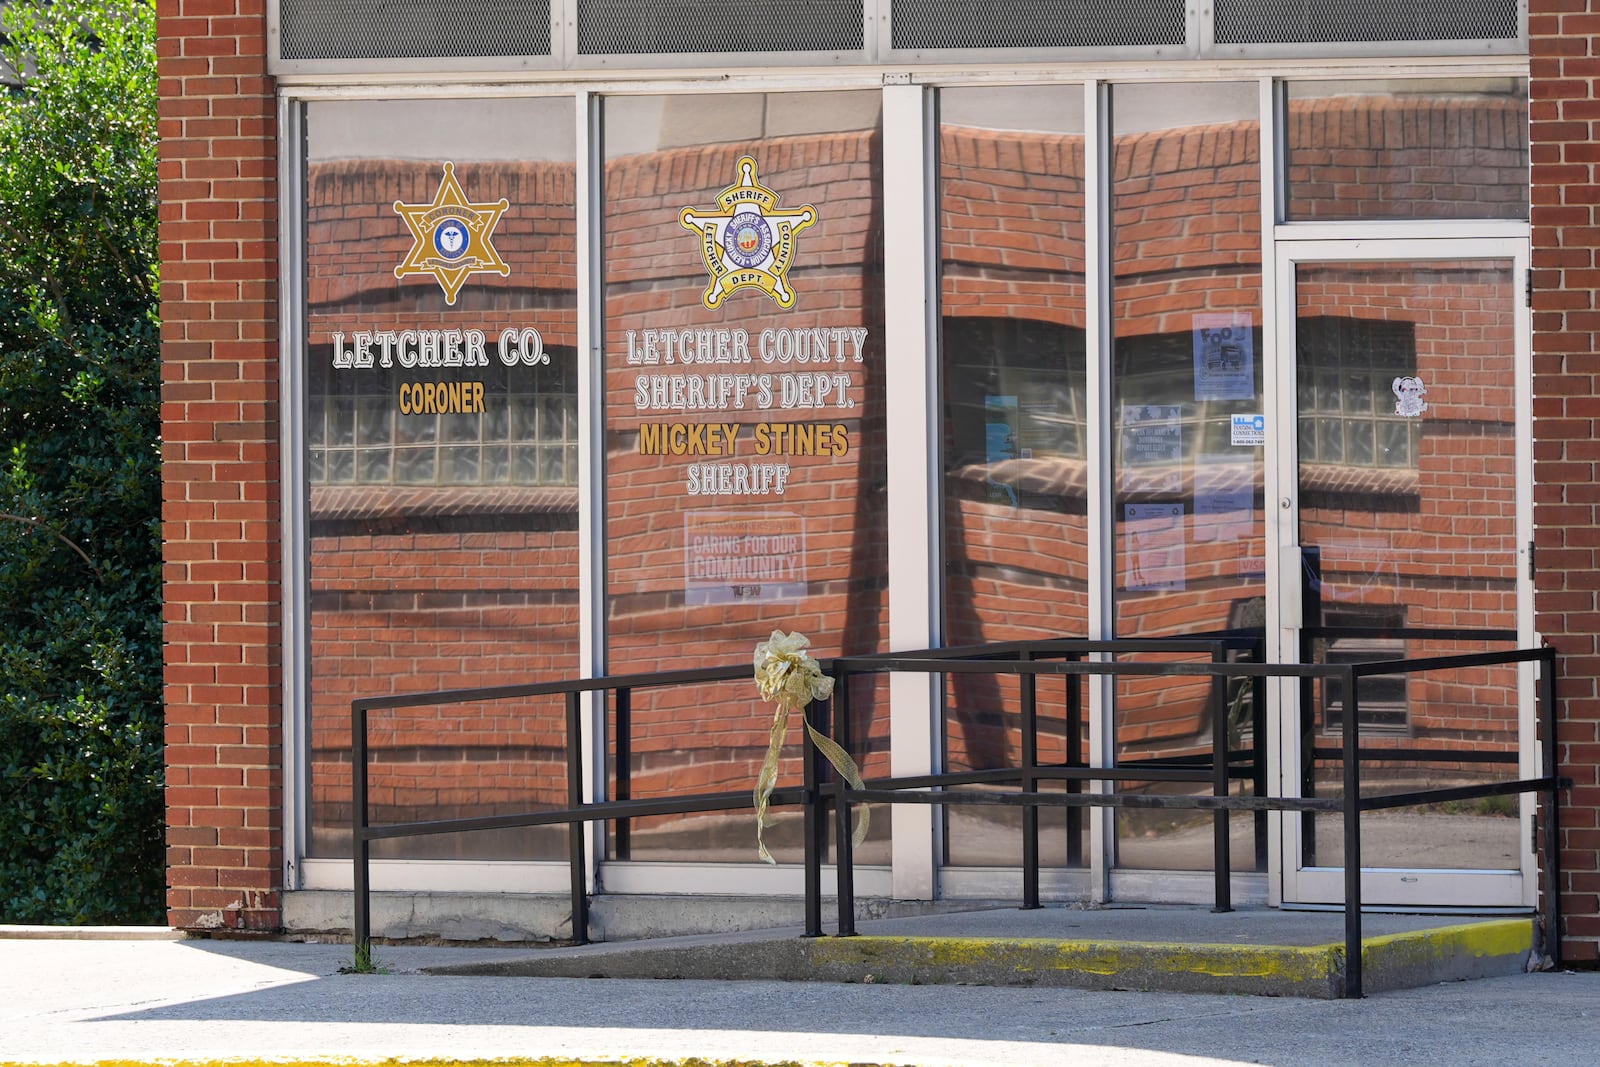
(1173, 949)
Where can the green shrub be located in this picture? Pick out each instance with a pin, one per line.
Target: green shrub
(80, 631)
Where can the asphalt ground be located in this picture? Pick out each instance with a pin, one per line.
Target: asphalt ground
(197, 1001)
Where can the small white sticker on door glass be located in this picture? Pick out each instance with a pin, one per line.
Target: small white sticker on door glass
(1408, 394)
(1249, 429)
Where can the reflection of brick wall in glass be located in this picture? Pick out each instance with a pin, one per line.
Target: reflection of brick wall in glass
(443, 503)
(742, 416)
(1407, 150)
(1411, 508)
(1014, 422)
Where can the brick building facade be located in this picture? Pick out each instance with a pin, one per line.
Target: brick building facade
(324, 542)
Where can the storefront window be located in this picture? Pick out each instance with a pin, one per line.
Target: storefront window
(738, 392)
(1013, 430)
(1188, 423)
(744, 435)
(1398, 149)
(441, 424)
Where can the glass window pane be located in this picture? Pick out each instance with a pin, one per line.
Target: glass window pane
(1358, 443)
(408, 525)
(459, 465)
(1397, 450)
(374, 421)
(1399, 149)
(342, 421)
(1013, 379)
(1330, 441)
(416, 429)
(340, 466)
(1189, 522)
(415, 466)
(1411, 535)
(496, 464)
(1358, 392)
(744, 442)
(459, 427)
(375, 465)
(525, 465)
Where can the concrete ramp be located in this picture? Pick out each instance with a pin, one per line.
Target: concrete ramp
(1259, 951)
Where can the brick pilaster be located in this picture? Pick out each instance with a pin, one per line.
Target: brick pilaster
(1565, 116)
(220, 455)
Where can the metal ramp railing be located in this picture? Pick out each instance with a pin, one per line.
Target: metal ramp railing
(1028, 661)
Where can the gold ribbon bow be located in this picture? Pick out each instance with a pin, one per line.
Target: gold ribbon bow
(787, 675)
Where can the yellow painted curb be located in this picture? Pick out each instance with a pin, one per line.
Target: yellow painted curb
(1290, 963)
(1137, 962)
(346, 1061)
(1502, 937)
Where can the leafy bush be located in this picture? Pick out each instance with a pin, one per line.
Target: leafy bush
(80, 578)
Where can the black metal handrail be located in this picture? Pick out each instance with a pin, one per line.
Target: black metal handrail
(1027, 660)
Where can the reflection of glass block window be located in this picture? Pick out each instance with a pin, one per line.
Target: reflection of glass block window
(527, 433)
(1034, 371)
(1382, 697)
(1346, 392)
(1156, 372)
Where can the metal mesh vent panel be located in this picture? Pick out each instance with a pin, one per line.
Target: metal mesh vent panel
(647, 27)
(1324, 21)
(923, 24)
(408, 29)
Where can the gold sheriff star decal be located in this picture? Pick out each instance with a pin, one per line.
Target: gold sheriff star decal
(750, 243)
(452, 238)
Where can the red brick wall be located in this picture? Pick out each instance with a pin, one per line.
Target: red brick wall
(380, 629)
(220, 450)
(1564, 38)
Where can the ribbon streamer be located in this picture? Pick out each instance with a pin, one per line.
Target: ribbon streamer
(787, 675)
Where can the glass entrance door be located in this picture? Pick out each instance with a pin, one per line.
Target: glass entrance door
(1404, 537)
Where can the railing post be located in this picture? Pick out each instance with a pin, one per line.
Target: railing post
(1310, 622)
(361, 848)
(1258, 753)
(1551, 823)
(575, 848)
(815, 829)
(1352, 834)
(623, 828)
(1030, 782)
(1075, 759)
(844, 851)
(1222, 858)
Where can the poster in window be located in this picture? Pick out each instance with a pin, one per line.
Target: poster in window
(1224, 498)
(1000, 437)
(1154, 548)
(742, 557)
(1152, 448)
(1224, 356)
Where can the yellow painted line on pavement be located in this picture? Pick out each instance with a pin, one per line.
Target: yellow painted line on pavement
(347, 1061)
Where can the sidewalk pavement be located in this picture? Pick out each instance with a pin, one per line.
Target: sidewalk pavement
(143, 1001)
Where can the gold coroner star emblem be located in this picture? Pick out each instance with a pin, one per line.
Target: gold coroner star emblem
(451, 238)
(750, 243)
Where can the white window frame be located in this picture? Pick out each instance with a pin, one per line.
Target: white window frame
(911, 302)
